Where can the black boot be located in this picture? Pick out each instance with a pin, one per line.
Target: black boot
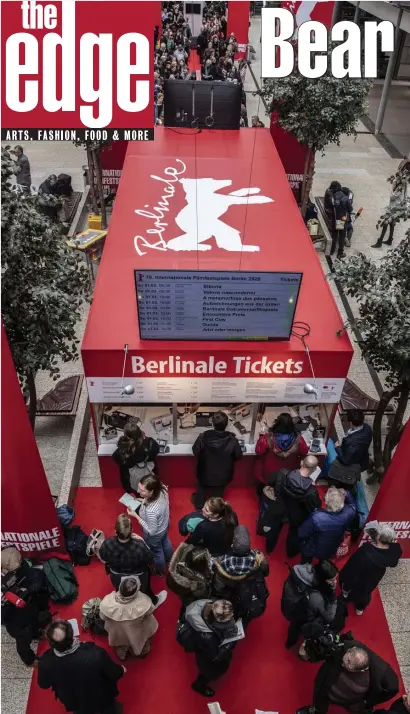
(389, 241)
(201, 687)
(378, 244)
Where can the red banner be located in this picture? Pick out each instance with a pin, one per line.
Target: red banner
(97, 59)
(304, 11)
(392, 503)
(112, 161)
(28, 516)
(238, 23)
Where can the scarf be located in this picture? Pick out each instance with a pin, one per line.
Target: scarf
(74, 647)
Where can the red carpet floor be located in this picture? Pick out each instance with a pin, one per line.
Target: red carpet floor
(193, 62)
(263, 674)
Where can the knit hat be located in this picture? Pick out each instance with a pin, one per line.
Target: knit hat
(11, 559)
(241, 544)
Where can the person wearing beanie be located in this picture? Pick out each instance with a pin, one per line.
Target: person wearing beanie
(240, 576)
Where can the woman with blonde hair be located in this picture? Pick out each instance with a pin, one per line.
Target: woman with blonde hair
(128, 619)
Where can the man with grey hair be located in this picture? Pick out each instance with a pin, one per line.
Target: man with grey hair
(300, 498)
(324, 529)
(367, 566)
(354, 678)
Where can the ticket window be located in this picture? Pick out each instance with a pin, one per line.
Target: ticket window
(155, 421)
(311, 420)
(193, 419)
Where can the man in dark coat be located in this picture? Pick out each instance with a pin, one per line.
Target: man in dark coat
(323, 531)
(367, 566)
(82, 676)
(216, 451)
(354, 447)
(355, 678)
(300, 498)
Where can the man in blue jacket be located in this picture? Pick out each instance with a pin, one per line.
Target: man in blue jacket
(323, 530)
(354, 447)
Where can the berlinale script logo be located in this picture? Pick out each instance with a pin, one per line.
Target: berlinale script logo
(200, 218)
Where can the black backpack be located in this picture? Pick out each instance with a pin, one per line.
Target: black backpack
(343, 476)
(295, 598)
(76, 543)
(185, 636)
(324, 646)
(252, 596)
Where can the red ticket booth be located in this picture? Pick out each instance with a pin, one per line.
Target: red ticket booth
(196, 213)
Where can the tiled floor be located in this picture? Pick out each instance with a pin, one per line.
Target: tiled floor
(364, 165)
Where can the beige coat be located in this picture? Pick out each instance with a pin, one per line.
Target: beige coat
(130, 624)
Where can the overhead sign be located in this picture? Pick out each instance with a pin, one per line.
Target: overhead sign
(210, 305)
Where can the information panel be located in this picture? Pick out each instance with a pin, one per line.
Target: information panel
(210, 305)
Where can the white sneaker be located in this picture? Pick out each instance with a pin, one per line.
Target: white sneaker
(162, 596)
(359, 612)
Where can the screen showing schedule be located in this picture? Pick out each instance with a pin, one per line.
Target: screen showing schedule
(208, 305)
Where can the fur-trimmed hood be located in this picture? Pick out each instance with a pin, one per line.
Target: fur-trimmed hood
(182, 575)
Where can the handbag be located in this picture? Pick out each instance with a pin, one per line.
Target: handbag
(94, 543)
(346, 476)
(344, 547)
(137, 472)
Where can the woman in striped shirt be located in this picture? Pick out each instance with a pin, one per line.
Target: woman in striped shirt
(153, 515)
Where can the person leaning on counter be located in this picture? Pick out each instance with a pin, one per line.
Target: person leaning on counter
(134, 451)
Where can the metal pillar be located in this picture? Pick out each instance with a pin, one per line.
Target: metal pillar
(389, 76)
(357, 14)
(336, 13)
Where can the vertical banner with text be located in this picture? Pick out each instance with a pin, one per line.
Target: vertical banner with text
(78, 69)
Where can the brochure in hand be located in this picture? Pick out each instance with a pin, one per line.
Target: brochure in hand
(239, 636)
(132, 503)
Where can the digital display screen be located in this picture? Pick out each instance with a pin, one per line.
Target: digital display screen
(211, 305)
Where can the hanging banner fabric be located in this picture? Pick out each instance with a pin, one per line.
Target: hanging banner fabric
(28, 516)
(392, 503)
(238, 23)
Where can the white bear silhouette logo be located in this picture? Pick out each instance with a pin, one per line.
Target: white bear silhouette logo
(200, 218)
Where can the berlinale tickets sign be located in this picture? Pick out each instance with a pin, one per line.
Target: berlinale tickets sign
(74, 70)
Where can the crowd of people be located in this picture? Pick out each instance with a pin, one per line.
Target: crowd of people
(220, 578)
(216, 51)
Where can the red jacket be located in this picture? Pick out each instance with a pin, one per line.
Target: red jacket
(270, 457)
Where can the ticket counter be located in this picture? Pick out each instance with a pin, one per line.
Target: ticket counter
(244, 320)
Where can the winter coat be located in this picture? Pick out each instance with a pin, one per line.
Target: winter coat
(322, 532)
(216, 536)
(129, 624)
(354, 448)
(279, 451)
(247, 591)
(300, 497)
(397, 707)
(84, 681)
(212, 659)
(147, 451)
(317, 608)
(384, 683)
(366, 567)
(184, 582)
(216, 452)
(227, 585)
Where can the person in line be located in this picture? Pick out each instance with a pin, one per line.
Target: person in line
(22, 169)
(324, 529)
(354, 447)
(190, 574)
(127, 554)
(210, 622)
(24, 624)
(216, 451)
(354, 678)
(281, 446)
(215, 533)
(152, 513)
(128, 619)
(367, 566)
(239, 576)
(300, 498)
(272, 510)
(133, 455)
(82, 675)
(309, 600)
(400, 706)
